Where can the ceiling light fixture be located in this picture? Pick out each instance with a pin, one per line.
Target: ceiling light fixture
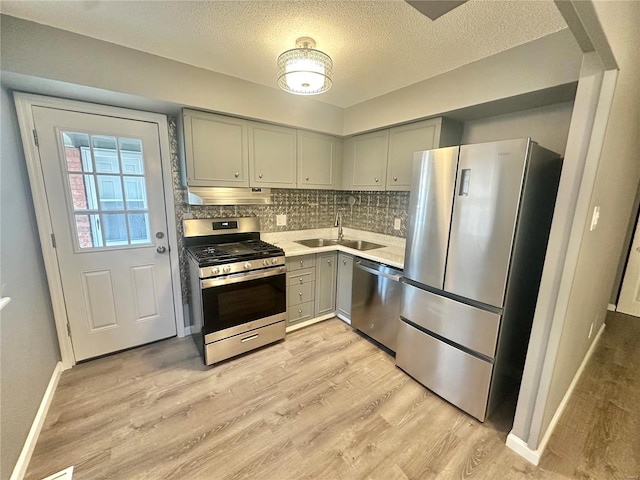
(304, 70)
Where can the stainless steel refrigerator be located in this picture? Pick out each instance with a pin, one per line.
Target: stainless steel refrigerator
(479, 221)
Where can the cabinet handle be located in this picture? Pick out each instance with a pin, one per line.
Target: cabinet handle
(344, 262)
(300, 311)
(395, 179)
(236, 174)
(306, 178)
(376, 180)
(301, 262)
(259, 175)
(300, 294)
(329, 262)
(300, 279)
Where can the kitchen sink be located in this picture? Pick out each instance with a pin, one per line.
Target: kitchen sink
(324, 242)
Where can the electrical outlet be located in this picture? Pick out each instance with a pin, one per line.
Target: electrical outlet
(281, 220)
(590, 330)
(396, 224)
(594, 218)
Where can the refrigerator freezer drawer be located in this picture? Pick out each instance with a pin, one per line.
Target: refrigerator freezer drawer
(465, 325)
(456, 376)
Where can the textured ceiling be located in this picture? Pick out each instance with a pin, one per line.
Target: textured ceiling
(376, 46)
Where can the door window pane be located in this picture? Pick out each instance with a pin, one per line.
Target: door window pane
(131, 153)
(74, 145)
(114, 226)
(135, 193)
(106, 173)
(105, 150)
(139, 228)
(110, 190)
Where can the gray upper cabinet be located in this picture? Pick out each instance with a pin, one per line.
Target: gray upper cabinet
(215, 150)
(407, 139)
(272, 156)
(382, 160)
(325, 283)
(365, 161)
(319, 161)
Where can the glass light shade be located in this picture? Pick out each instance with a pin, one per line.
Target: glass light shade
(305, 71)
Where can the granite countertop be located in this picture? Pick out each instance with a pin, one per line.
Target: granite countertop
(391, 254)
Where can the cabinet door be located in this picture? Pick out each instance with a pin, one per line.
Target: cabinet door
(272, 156)
(365, 161)
(345, 277)
(319, 160)
(215, 150)
(325, 283)
(403, 142)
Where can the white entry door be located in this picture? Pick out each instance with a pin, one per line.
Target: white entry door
(629, 301)
(103, 181)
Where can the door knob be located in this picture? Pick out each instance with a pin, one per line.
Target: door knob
(161, 249)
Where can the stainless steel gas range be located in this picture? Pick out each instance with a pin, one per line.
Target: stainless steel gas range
(238, 287)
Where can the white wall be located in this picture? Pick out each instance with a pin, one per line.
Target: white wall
(614, 191)
(547, 62)
(32, 51)
(29, 344)
(37, 50)
(549, 126)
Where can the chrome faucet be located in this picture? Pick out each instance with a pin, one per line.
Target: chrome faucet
(339, 224)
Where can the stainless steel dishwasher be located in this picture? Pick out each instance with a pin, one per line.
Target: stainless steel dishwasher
(375, 301)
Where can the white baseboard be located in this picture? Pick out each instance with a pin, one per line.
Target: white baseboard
(30, 443)
(300, 325)
(611, 307)
(187, 330)
(343, 318)
(520, 446)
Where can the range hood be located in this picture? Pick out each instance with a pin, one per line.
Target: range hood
(228, 196)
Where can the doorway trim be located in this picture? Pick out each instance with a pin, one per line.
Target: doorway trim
(24, 103)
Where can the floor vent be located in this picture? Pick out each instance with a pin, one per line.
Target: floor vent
(63, 475)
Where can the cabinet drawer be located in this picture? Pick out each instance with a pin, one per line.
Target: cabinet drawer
(298, 294)
(300, 313)
(298, 277)
(463, 324)
(230, 347)
(298, 263)
(456, 376)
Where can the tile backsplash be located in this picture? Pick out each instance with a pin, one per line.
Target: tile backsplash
(308, 209)
(304, 209)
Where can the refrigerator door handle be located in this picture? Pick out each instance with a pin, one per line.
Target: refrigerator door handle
(465, 180)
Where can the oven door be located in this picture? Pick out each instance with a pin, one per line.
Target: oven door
(237, 303)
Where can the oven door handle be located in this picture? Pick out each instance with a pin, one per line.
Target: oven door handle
(244, 277)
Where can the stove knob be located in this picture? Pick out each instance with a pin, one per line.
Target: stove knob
(226, 269)
(265, 262)
(274, 261)
(247, 265)
(215, 271)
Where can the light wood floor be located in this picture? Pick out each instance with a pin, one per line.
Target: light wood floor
(325, 404)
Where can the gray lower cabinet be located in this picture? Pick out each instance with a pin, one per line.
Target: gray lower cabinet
(325, 283)
(301, 288)
(343, 291)
(311, 286)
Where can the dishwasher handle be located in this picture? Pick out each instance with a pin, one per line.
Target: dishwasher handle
(395, 278)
